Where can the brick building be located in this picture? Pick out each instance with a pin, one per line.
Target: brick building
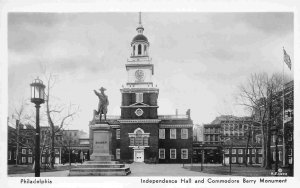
(78, 140)
(229, 135)
(140, 134)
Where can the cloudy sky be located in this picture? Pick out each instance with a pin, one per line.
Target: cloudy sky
(199, 58)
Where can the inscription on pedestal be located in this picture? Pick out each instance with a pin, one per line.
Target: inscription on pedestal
(101, 142)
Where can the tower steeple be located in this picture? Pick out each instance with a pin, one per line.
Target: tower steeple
(140, 42)
(140, 27)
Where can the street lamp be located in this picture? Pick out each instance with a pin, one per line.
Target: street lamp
(37, 97)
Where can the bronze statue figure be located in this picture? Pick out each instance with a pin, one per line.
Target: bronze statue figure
(103, 103)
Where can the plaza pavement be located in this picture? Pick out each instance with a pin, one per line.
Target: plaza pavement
(137, 169)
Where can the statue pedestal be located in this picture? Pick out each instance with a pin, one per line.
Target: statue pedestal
(102, 150)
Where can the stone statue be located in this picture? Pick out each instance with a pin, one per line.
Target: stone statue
(103, 103)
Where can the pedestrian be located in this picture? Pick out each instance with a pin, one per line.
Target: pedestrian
(81, 156)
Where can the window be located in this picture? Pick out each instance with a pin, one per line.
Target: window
(233, 159)
(273, 138)
(259, 159)
(139, 97)
(226, 151)
(133, 50)
(23, 159)
(139, 138)
(240, 151)
(274, 156)
(9, 155)
(161, 153)
(29, 159)
(253, 160)
(184, 153)
(172, 153)
(29, 151)
(145, 139)
(259, 151)
(23, 151)
(139, 49)
(253, 151)
(43, 159)
(240, 160)
(118, 153)
(145, 49)
(162, 133)
(56, 151)
(233, 151)
(131, 141)
(280, 155)
(118, 133)
(184, 133)
(172, 133)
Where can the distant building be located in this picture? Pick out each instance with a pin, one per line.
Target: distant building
(228, 134)
(78, 140)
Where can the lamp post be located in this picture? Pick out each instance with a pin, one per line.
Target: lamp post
(37, 97)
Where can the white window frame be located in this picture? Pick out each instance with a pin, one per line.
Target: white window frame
(187, 153)
(186, 135)
(139, 98)
(23, 159)
(118, 132)
(233, 151)
(240, 151)
(233, 159)
(253, 151)
(29, 159)
(161, 151)
(226, 151)
(162, 133)
(23, 151)
(280, 155)
(43, 159)
(259, 160)
(29, 151)
(253, 160)
(240, 160)
(172, 137)
(274, 156)
(174, 150)
(118, 153)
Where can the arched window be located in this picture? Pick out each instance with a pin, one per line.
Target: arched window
(133, 50)
(139, 138)
(139, 49)
(145, 49)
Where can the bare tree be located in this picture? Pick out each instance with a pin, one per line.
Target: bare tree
(58, 115)
(257, 95)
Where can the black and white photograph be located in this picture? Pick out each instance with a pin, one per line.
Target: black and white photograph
(187, 97)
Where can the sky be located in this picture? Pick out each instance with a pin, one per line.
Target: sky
(199, 59)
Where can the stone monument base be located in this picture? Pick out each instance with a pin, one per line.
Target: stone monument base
(101, 163)
(102, 157)
(100, 168)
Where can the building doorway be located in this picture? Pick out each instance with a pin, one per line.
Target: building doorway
(138, 155)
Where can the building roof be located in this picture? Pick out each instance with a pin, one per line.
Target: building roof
(139, 38)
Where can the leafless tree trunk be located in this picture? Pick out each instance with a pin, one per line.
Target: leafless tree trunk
(57, 115)
(257, 97)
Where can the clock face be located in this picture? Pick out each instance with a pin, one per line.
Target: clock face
(139, 112)
(139, 74)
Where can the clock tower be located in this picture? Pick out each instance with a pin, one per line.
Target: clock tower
(139, 96)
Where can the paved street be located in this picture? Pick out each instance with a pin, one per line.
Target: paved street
(137, 169)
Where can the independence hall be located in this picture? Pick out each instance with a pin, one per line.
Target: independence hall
(140, 134)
